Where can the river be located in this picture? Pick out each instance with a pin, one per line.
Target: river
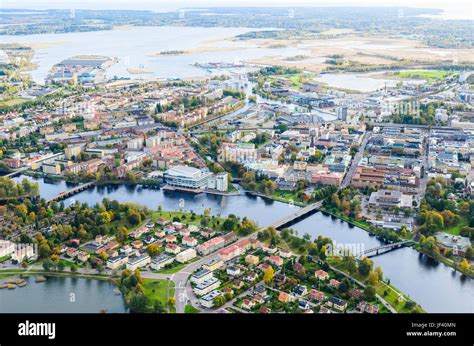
(435, 286)
(62, 295)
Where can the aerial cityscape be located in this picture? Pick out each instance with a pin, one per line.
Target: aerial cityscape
(236, 159)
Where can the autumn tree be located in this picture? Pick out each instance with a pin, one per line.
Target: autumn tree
(268, 276)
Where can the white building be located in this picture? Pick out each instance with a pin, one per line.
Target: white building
(219, 182)
(135, 144)
(161, 261)
(208, 300)
(207, 286)
(117, 261)
(201, 276)
(153, 141)
(23, 252)
(187, 177)
(138, 262)
(186, 255)
(6, 248)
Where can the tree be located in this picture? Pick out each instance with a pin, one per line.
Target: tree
(44, 250)
(365, 266)
(47, 264)
(464, 265)
(121, 234)
(350, 264)
(379, 272)
(61, 266)
(171, 302)
(73, 268)
(153, 250)
(157, 307)
(219, 300)
(373, 278)
(369, 292)
(268, 276)
(138, 302)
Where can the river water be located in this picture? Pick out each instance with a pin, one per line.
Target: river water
(435, 286)
(62, 295)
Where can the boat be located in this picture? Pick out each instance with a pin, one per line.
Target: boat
(40, 279)
(22, 283)
(117, 291)
(3, 286)
(11, 286)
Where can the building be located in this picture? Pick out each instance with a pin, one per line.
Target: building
(6, 248)
(457, 244)
(161, 261)
(23, 253)
(214, 264)
(238, 152)
(341, 113)
(187, 177)
(207, 301)
(189, 241)
(390, 199)
(211, 245)
(201, 276)
(251, 259)
(117, 261)
(321, 275)
(72, 152)
(220, 182)
(172, 248)
(337, 303)
(138, 262)
(51, 168)
(206, 286)
(135, 144)
(186, 255)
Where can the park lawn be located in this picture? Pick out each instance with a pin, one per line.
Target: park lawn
(169, 215)
(456, 229)
(189, 309)
(424, 74)
(156, 289)
(4, 258)
(173, 270)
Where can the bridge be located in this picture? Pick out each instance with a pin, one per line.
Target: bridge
(71, 192)
(298, 215)
(15, 173)
(384, 248)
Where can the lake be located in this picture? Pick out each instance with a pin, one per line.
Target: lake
(135, 47)
(62, 295)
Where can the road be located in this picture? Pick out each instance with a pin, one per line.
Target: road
(356, 160)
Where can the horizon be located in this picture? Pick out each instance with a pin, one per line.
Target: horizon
(460, 9)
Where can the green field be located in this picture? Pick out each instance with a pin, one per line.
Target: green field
(428, 75)
(189, 309)
(156, 289)
(456, 229)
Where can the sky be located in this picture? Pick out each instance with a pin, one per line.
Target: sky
(453, 9)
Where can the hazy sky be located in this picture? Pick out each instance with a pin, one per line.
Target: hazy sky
(453, 8)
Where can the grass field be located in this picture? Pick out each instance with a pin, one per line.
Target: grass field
(428, 75)
(189, 309)
(456, 229)
(156, 289)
